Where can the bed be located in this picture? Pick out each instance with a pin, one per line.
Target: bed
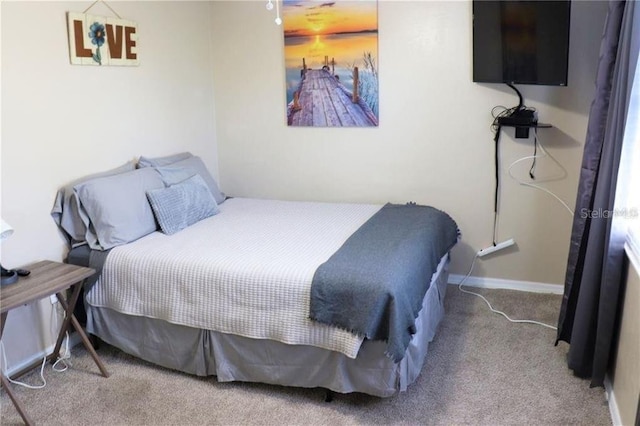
(270, 291)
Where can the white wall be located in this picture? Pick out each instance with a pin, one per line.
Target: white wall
(625, 370)
(433, 145)
(60, 122)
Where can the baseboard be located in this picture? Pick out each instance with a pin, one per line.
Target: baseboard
(29, 361)
(535, 287)
(74, 339)
(498, 283)
(613, 405)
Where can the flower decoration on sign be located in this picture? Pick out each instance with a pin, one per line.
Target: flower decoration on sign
(96, 34)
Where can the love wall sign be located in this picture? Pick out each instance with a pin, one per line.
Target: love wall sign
(100, 40)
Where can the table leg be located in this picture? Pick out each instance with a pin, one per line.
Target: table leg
(67, 318)
(15, 400)
(7, 386)
(85, 340)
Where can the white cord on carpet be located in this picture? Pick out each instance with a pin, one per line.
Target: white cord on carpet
(489, 304)
(64, 359)
(16, 382)
(67, 353)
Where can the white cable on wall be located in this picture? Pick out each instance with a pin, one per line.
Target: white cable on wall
(545, 153)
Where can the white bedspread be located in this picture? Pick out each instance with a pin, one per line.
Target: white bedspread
(245, 271)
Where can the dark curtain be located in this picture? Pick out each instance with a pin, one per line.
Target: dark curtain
(596, 256)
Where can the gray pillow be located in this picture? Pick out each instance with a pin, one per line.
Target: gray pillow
(66, 209)
(182, 205)
(184, 169)
(162, 161)
(117, 208)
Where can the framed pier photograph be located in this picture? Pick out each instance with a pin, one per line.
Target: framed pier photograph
(331, 61)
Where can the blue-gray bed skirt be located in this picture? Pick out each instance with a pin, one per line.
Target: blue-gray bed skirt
(235, 358)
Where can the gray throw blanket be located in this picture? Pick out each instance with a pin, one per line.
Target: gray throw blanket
(375, 283)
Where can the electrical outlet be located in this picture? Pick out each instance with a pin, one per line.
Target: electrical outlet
(54, 299)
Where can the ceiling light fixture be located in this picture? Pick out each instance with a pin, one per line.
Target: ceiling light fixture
(269, 7)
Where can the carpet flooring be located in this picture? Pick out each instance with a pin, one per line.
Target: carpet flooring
(480, 370)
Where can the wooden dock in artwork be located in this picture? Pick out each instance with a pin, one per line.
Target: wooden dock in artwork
(322, 101)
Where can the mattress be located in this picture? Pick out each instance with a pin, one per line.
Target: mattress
(246, 271)
(236, 358)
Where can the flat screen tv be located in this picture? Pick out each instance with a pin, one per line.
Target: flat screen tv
(521, 42)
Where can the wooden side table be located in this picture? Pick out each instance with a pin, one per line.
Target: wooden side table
(47, 278)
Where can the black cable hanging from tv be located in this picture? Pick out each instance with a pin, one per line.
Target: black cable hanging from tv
(496, 140)
(520, 106)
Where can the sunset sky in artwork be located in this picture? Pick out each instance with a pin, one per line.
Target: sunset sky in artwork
(310, 17)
